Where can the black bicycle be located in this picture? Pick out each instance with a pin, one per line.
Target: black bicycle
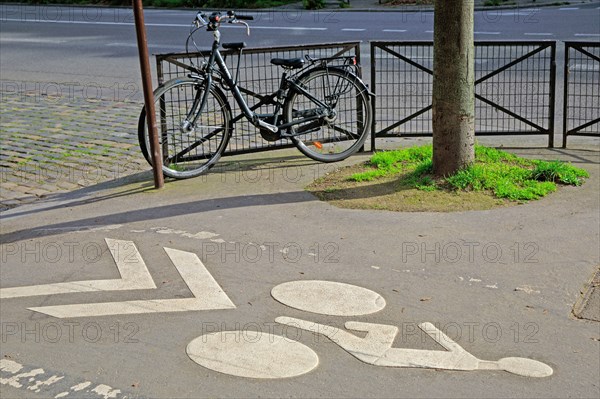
(321, 105)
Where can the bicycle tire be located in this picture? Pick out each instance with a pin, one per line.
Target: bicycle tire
(335, 138)
(172, 102)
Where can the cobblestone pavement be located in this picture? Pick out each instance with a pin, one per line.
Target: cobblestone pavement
(56, 144)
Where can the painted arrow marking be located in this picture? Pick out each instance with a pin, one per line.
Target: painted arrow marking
(131, 266)
(208, 295)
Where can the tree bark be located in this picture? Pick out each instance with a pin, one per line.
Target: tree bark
(453, 118)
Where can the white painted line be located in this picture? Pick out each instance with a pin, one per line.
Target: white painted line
(587, 34)
(568, 8)
(198, 279)
(538, 34)
(395, 30)
(525, 12)
(353, 30)
(328, 297)
(208, 295)
(585, 67)
(252, 354)
(287, 28)
(155, 24)
(486, 33)
(31, 40)
(90, 22)
(376, 348)
(428, 31)
(131, 266)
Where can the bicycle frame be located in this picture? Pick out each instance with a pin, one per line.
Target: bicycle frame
(257, 120)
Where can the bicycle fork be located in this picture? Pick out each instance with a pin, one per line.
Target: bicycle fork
(189, 123)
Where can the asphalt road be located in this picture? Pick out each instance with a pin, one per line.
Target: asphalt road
(97, 46)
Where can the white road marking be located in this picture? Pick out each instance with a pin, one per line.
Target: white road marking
(10, 366)
(538, 34)
(486, 33)
(353, 30)
(31, 40)
(395, 30)
(201, 235)
(568, 8)
(14, 381)
(252, 354)
(328, 297)
(587, 34)
(131, 266)
(106, 392)
(376, 348)
(133, 45)
(208, 295)
(37, 387)
(154, 24)
(585, 67)
(48, 384)
(525, 12)
(287, 28)
(84, 229)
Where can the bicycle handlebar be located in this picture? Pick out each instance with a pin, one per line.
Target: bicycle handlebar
(217, 17)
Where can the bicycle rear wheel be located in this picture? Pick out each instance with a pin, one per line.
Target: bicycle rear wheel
(187, 153)
(343, 130)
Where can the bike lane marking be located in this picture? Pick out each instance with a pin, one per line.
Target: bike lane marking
(328, 297)
(131, 267)
(242, 354)
(208, 295)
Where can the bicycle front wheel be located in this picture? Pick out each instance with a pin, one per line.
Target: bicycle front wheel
(187, 152)
(337, 130)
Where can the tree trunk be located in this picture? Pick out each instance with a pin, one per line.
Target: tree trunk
(453, 119)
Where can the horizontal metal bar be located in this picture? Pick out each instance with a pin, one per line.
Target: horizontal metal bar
(584, 134)
(260, 50)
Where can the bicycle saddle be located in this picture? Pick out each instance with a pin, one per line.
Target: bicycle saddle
(236, 46)
(292, 63)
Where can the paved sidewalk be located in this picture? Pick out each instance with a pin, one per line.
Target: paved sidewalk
(110, 291)
(53, 144)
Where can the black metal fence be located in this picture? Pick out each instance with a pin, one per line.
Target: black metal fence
(581, 114)
(514, 88)
(258, 79)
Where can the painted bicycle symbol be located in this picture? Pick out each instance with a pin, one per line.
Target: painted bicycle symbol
(274, 356)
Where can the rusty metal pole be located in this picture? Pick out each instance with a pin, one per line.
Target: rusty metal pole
(142, 42)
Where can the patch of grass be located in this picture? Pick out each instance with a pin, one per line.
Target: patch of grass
(407, 175)
(390, 162)
(558, 172)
